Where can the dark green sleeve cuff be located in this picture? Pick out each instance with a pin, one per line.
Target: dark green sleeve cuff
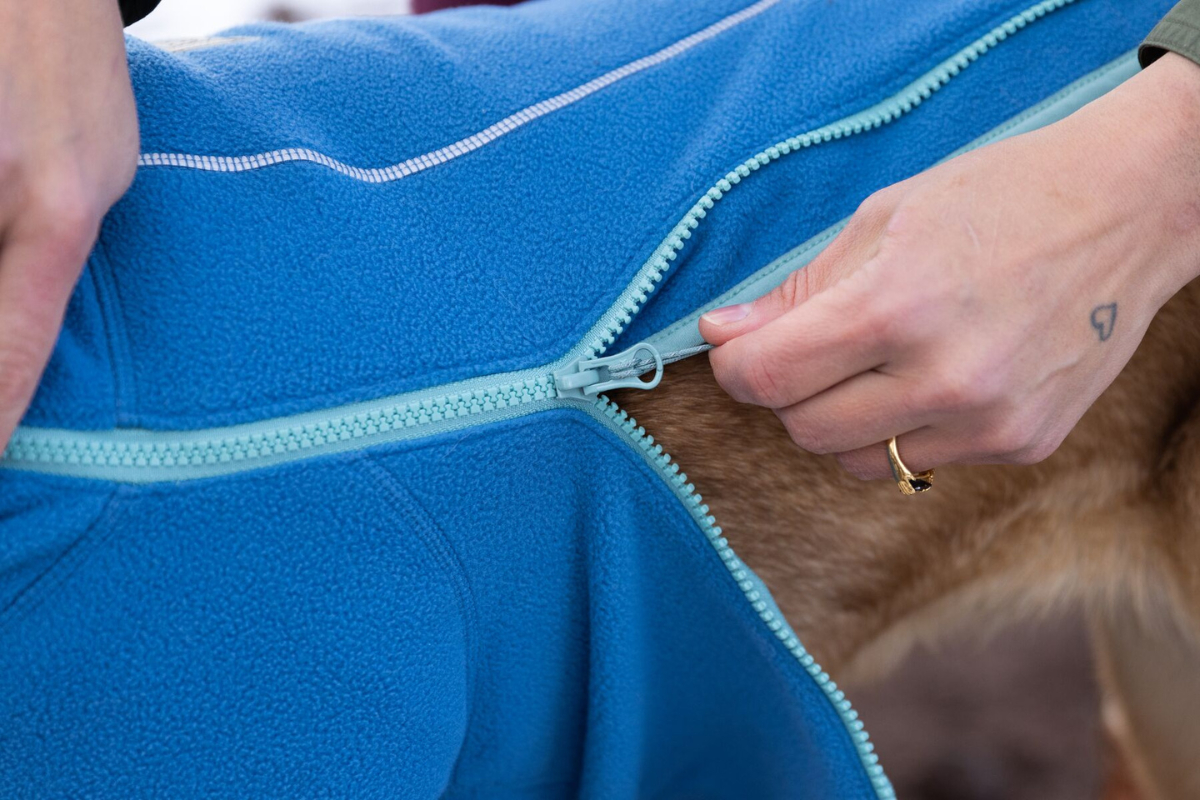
(133, 10)
(1178, 32)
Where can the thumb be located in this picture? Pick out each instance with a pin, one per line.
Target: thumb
(722, 324)
(857, 242)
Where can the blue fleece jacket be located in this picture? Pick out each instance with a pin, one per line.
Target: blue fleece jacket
(318, 496)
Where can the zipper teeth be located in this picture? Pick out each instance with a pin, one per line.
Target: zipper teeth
(124, 448)
(686, 492)
(652, 274)
(32, 447)
(874, 117)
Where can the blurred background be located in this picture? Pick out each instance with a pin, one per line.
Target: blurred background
(183, 19)
(1013, 717)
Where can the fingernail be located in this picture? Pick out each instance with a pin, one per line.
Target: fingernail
(728, 314)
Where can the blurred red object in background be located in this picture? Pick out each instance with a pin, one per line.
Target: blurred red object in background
(421, 6)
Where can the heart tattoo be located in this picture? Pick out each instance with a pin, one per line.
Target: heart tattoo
(1104, 318)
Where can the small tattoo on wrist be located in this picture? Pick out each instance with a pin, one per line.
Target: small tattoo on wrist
(1104, 319)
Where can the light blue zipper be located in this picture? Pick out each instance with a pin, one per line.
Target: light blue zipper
(145, 456)
(577, 380)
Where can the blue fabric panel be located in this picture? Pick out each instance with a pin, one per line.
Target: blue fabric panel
(269, 636)
(522, 610)
(294, 287)
(517, 610)
(784, 205)
(77, 387)
(582, 562)
(40, 529)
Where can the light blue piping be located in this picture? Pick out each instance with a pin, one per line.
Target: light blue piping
(682, 339)
(443, 155)
(614, 321)
(69, 452)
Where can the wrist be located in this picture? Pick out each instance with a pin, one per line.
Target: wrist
(1163, 107)
(1133, 157)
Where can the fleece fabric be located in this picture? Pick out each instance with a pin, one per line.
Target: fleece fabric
(335, 212)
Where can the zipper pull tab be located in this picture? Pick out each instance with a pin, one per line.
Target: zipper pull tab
(588, 377)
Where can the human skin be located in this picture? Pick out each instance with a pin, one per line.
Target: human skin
(68, 151)
(955, 311)
(977, 310)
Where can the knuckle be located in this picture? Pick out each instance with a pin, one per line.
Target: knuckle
(1035, 451)
(951, 391)
(882, 319)
(892, 310)
(1012, 440)
(20, 367)
(871, 211)
(856, 465)
(63, 211)
(902, 225)
(807, 435)
(878, 206)
(962, 388)
(761, 382)
(911, 311)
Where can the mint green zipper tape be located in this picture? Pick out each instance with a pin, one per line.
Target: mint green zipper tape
(143, 456)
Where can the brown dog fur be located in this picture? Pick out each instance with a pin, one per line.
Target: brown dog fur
(1111, 520)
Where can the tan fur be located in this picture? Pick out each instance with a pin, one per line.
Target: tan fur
(1111, 520)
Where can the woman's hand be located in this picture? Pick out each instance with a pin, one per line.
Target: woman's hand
(68, 150)
(978, 309)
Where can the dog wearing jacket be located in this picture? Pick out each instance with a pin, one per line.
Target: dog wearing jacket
(321, 493)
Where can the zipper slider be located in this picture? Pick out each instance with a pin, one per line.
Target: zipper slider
(588, 377)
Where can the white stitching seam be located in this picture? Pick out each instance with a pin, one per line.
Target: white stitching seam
(463, 146)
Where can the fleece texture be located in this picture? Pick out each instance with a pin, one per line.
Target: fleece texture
(521, 609)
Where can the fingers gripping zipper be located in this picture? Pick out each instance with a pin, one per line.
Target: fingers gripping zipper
(588, 377)
(138, 455)
(876, 116)
(579, 378)
(755, 591)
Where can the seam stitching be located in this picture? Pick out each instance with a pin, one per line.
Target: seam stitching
(626, 448)
(398, 498)
(464, 146)
(112, 311)
(821, 239)
(57, 573)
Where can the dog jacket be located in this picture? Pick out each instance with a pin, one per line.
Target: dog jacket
(321, 494)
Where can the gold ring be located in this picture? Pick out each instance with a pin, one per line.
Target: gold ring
(908, 482)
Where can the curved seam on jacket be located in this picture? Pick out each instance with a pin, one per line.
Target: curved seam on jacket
(108, 297)
(627, 450)
(464, 146)
(58, 572)
(386, 388)
(823, 238)
(398, 497)
(885, 115)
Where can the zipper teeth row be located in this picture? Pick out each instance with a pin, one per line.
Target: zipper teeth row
(656, 267)
(686, 492)
(32, 447)
(874, 117)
